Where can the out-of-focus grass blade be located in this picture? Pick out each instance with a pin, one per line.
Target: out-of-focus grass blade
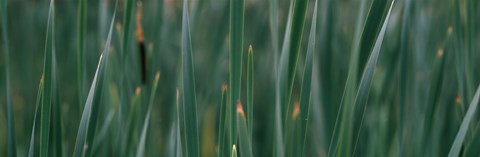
(366, 79)
(403, 73)
(56, 130)
(11, 146)
(292, 130)
(250, 91)
(133, 122)
(178, 143)
(458, 142)
(103, 133)
(143, 136)
(244, 136)
(188, 89)
(127, 23)
(370, 31)
(47, 90)
(280, 89)
(87, 127)
(298, 21)
(274, 30)
(82, 22)
(234, 151)
(32, 137)
(307, 81)
(222, 121)
(437, 78)
(355, 98)
(237, 17)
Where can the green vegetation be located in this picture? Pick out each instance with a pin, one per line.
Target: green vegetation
(327, 78)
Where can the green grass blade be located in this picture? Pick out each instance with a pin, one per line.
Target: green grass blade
(250, 90)
(237, 17)
(141, 144)
(82, 22)
(403, 73)
(47, 90)
(234, 151)
(178, 140)
(305, 93)
(56, 130)
(11, 144)
(280, 89)
(188, 89)
(87, 123)
(127, 24)
(354, 98)
(437, 78)
(243, 134)
(370, 31)
(32, 137)
(366, 79)
(458, 142)
(222, 121)
(274, 30)
(133, 122)
(103, 132)
(298, 21)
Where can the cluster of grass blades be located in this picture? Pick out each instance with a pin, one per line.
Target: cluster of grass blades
(385, 96)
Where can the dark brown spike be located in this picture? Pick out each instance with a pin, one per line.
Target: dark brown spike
(141, 43)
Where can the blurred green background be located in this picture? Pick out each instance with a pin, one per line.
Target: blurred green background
(434, 27)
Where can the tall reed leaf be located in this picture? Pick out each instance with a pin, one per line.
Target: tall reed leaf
(367, 77)
(244, 136)
(178, 139)
(47, 90)
(237, 9)
(223, 120)
(355, 98)
(298, 21)
(188, 89)
(92, 103)
(234, 151)
(143, 136)
(82, 22)
(458, 142)
(370, 31)
(250, 90)
(307, 81)
(11, 146)
(280, 89)
(39, 99)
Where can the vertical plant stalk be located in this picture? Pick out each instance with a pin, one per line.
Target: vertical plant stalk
(250, 91)
(82, 22)
(47, 91)
(403, 74)
(188, 89)
(355, 97)
(37, 104)
(86, 130)
(142, 142)
(244, 136)
(298, 21)
(222, 121)
(237, 9)
(234, 151)
(11, 145)
(305, 94)
(178, 139)
(281, 89)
